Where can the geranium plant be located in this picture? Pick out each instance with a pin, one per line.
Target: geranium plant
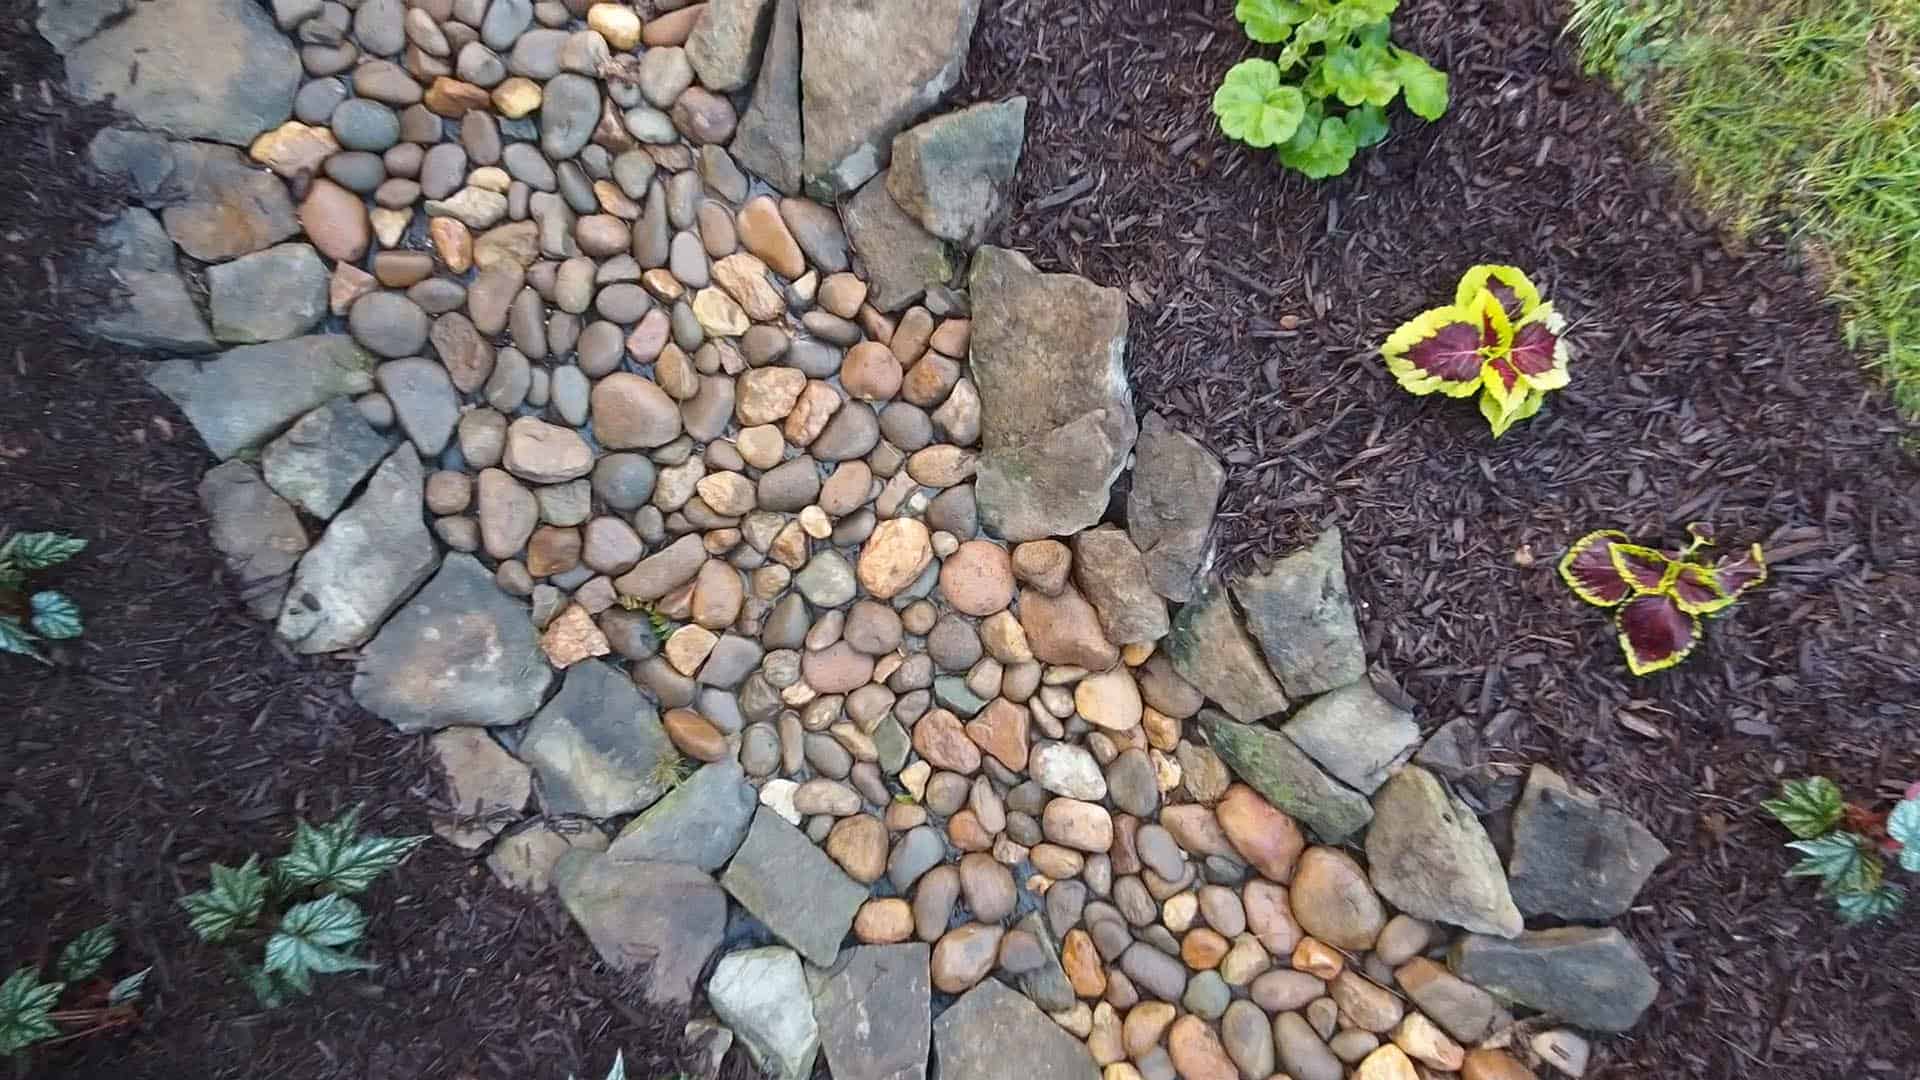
(1845, 845)
(1498, 339)
(1326, 95)
(1660, 597)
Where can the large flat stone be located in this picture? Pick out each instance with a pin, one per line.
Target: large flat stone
(245, 396)
(460, 652)
(1271, 765)
(595, 748)
(725, 48)
(869, 69)
(766, 142)
(666, 918)
(155, 311)
(1211, 650)
(1056, 414)
(1300, 612)
(875, 1010)
(199, 69)
(1429, 856)
(762, 995)
(902, 259)
(318, 461)
(951, 173)
(992, 1033)
(701, 822)
(793, 887)
(1355, 734)
(227, 206)
(1176, 485)
(256, 530)
(1591, 977)
(1573, 857)
(370, 559)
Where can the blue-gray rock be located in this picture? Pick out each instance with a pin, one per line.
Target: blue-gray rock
(787, 883)
(1176, 485)
(869, 70)
(1591, 977)
(370, 559)
(903, 260)
(226, 206)
(762, 995)
(952, 173)
(1056, 416)
(245, 396)
(973, 1038)
(1574, 858)
(1299, 611)
(951, 692)
(568, 114)
(1270, 764)
(199, 69)
(725, 47)
(1211, 650)
(1355, 734)
(668, 918)
(316, 463)
(1428, 856)
(156, 311)
(256, 530)
(506, 20)
(596, 747)
(766, 141)
(423, 400)
(700, 822)
(143, 159)
(268, 295)
(379, 27)
(361, 124)
(461, 652)
(66, 23)
(875, 1011)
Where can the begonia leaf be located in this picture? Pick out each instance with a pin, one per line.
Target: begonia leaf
(1654, 633)
(1588, 569)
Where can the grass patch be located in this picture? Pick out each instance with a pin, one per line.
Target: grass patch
(1802, 114)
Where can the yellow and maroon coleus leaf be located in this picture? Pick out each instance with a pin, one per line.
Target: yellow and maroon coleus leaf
(1645, 569)
(1738, 573)
(1510, 286)
(1501, 416)
(1588, 569)
(1441, 350)
(1655, 633)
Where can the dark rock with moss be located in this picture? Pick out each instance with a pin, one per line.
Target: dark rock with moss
(1270, 764)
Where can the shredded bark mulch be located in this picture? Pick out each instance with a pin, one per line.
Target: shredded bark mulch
(1711, 384)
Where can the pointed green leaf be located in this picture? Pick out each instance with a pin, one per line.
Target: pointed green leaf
(85, 954)
(1839, 860)
(25, 1003)
(1254, 107)
(39, 550)
(266, 988)
(129, 989)
(55, 616)
(1425, 87)
(233, 900)
(332, 858)
(619, 1070)
(1269, 21)
(1808, 808)
(309, 940)
(14, 638)
(1869, 906)
(1903, 825)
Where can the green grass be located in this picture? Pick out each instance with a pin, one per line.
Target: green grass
(1798, 114)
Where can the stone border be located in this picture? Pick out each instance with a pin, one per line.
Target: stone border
(826, 442)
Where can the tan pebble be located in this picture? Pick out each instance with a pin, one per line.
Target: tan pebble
(1565, 1050)
(1317, 958)
(617, 23)
(1144, 1026)
(1078, 1020)
(914, 778)
(517, 97)
(1120, 1070)
(1082, 963)
(573, 636)
(687, 648)
(694, 735)
(1202, 949)
(1389, 1062)
(294, 148)
(1246, 961)
(452, 243)
(1137, 653)
(816, 523)
(842, 294)
(1103, 1041)
(1425, 1043)
(673, 27)
(883, 922)
(389, 225)
(951, 337)
(1178, 912)
(1487, 1064)
(763, 232)
(1197, 1053)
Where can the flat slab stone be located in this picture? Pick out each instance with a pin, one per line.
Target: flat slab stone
(951, 173)
(1211, 650)
(1574, 858)
(227, 206)
(973, 1039)
(767, 139)
(245, 396)
(1588, 976)
(66, 23)
(725, 47)
(318, 461)
(1355, 734)
(1271, 765)
(700, 822)
(793, 887)
(762, 995)
(869, 70)
(1300, 612)
(875, 1010)
(668, 918)
(269, 294)
(1429, 856)
(460, 652)
(595, 748)
(1056, 414)
(256, 530)
(372, 556)
(199, 69)
(1176, 486)
(156, 310)
(902, 259)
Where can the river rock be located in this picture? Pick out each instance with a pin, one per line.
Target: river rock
(1332, 901)
(371, 557)
(1430, 858)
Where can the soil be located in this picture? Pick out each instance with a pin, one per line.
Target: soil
(1711, 384)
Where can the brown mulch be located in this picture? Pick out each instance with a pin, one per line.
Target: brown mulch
(1712, 384)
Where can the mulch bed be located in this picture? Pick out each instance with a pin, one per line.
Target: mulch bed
(1711, 384)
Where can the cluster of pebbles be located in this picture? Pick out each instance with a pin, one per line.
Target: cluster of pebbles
(814, 534)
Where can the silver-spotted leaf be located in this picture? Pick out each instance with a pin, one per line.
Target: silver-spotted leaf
(86, 953)
(55, 615)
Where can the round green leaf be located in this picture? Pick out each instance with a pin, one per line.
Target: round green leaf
(1329, 154)
(1269, 21)
(1425, 87)
(55, 616)
(1368, 123)
(1361, 75)
(1254, 107)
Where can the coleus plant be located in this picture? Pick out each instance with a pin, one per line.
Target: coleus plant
(1498, 339)
(1660, 598)
(1845, 845)
(1325, 97)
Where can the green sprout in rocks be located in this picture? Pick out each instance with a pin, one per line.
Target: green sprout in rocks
(1660, 597)
(46, 615)
(298, 906)
(1843, 844)
(1325, 97)
(29, 1012)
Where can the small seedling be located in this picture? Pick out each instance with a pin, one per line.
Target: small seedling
(1660, 597)
(658, 623)
(1843, 844)
(1497, 339)
(1326, 96)
(48, 614)
(303, 898)
(29, 1015)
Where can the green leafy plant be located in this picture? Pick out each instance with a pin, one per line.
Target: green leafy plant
(310, 926)
(1325, 96)
(1844, 845)
(47, 614)
(1660, 597)
(658, 623)
(29, 1012)
(1497, 339)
